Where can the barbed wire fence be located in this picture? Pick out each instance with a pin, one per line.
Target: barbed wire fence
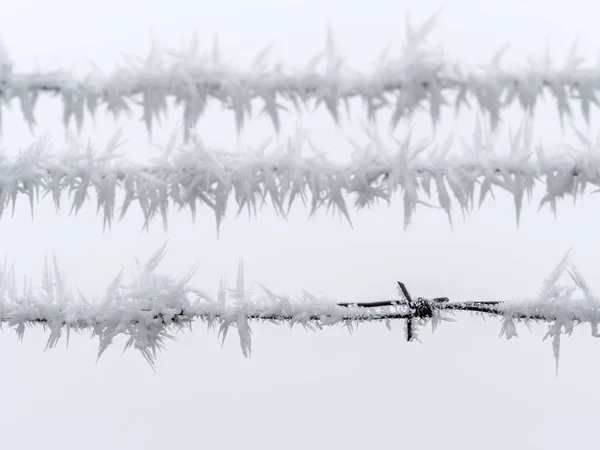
(190, 174)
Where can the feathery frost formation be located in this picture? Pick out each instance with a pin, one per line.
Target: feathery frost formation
(420, 76)
(191, 174)
(152, 306)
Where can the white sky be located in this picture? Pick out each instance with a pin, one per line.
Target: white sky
(462, 388)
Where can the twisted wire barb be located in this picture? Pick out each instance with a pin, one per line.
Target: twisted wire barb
(152, 305)
(421, 76)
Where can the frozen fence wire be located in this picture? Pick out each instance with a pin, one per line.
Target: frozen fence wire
(152, 306)
(421, 75)
(192, 174)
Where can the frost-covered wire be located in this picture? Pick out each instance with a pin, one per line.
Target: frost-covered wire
(421, 75)
(190, 174)
(151, 307)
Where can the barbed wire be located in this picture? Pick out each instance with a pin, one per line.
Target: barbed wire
(152, 305)
(421, 76)
(147, 309)
(192, 175)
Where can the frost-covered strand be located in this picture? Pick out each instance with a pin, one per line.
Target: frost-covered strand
(192, 174)
(150, 307)
(420, 76)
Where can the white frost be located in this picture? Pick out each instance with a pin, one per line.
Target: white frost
(190, 175)
(150, 307)
(420, 75)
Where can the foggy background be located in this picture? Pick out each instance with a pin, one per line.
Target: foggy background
(461, 388)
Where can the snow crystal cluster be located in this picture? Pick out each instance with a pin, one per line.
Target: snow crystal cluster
(420, 76)
(191, 175)
(151, 307)
(556, 303)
